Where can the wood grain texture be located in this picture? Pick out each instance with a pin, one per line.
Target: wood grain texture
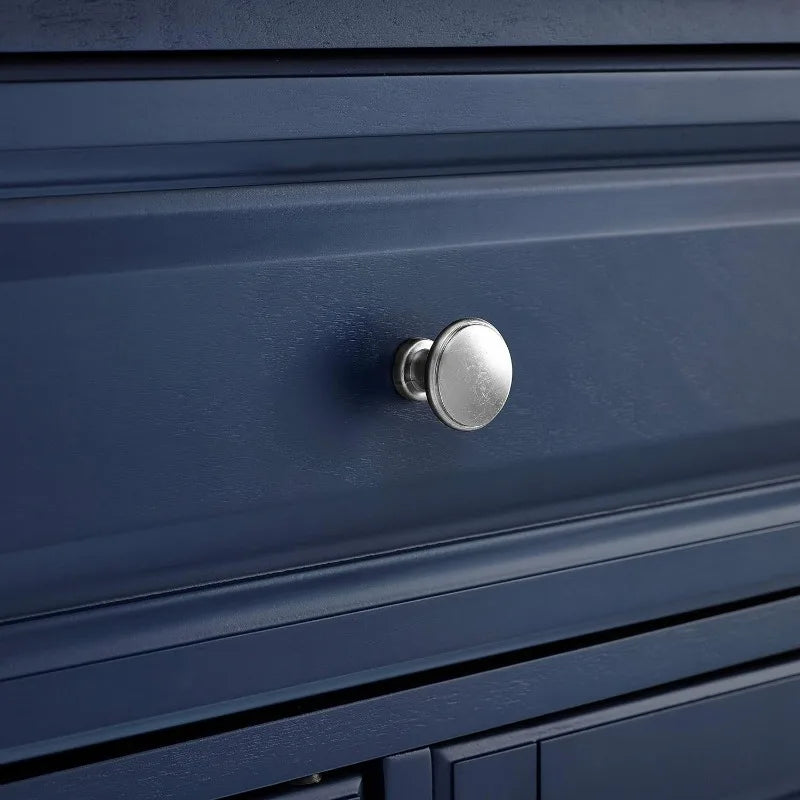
(48, 25)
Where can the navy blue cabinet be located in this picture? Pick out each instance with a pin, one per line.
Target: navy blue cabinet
(233, 557)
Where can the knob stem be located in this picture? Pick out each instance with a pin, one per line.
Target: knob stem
(409, 371)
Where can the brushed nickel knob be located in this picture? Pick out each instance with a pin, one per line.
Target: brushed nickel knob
(464, 374)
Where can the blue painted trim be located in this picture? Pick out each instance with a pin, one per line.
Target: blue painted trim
(725, 527)
(370, 728)
(82, 705)
(116, 113)
(63, 25)
(172, 133)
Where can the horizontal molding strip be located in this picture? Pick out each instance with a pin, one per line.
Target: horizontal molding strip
(172, 133)
(189, 617)
(270, 224)
(63, 25)
(111, 113)
(262, 635)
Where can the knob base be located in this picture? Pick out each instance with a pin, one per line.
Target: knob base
(408, 372)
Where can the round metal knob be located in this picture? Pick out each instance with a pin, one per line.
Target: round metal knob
(465, 373)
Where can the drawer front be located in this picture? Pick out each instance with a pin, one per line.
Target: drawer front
(198, 385)
(197, 382)
(737, 746)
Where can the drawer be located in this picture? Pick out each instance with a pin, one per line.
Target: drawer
(198, 384)
(742, 745)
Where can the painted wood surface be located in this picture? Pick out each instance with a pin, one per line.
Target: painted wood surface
(510, 773)
(408, 776)
(131, 135)
(346, 733)
(210, 397)
(207, 476)
(49, 25)
(739, 745)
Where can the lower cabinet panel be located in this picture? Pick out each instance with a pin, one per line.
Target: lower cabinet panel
(505, 770)
(742, 746)
(510, 774)
(738, 742)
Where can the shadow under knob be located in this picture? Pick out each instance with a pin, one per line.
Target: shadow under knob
(464, 374)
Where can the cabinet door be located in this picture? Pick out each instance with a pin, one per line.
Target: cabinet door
(740, 746)
(501, 767)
